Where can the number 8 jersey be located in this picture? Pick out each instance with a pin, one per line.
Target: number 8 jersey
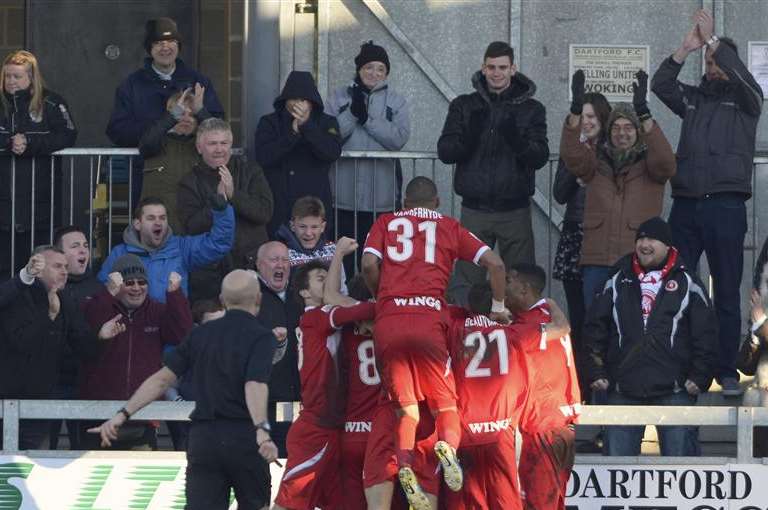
(418, 248)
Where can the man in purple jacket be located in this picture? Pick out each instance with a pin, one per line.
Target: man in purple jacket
(136, 353)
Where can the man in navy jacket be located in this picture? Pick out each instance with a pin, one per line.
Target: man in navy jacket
(141, 98)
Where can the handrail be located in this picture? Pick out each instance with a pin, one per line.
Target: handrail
(743, 418)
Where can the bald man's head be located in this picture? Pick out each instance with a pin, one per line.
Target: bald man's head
(421, 192)
(273, 265)
(240, 290)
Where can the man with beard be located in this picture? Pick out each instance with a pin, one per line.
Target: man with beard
(162, 253)
(651, 338)
(714, 172)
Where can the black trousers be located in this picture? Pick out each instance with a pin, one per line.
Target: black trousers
(223, 455)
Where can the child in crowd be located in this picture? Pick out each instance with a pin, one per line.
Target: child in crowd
(305, 235)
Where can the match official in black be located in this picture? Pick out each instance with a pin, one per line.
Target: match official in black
(228, 362)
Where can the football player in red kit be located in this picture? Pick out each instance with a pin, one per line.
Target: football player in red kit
(407, 261)
(493, 377)
(548, 449)
(368, 464)
(311, 478)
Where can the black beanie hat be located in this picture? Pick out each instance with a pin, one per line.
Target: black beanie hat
(160, 29)
(655, 228)
(369, 52)
(129, 266)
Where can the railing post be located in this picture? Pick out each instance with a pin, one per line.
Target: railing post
(745, 428)
(11, 425)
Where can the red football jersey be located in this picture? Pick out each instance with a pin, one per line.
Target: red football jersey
(319, 340)
(363, 383)
(555, 394)
(492, 376)
(418, 248)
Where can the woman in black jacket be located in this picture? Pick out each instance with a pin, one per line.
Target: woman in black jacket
(568, 190)
(34, 122)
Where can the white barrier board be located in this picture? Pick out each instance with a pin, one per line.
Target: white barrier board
(115, 483)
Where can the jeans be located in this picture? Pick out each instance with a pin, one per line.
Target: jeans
(593, 278)
(716, 225)
(678, 441)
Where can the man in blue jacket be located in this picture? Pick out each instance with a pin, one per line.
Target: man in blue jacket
(140, 100)
(152, 240)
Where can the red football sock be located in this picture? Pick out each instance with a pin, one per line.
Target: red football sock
(405, 439)
(449, 427)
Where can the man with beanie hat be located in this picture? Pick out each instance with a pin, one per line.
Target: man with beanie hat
(372, 116)
(497, 137)
(137, 352)
(295, 145)
(624, 177)
(140, 100)
(651, 339)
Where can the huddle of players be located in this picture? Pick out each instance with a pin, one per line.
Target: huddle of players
(436, 387)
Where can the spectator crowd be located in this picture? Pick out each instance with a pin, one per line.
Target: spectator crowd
(643, 327)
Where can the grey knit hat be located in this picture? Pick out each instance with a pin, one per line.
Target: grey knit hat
(130, 266)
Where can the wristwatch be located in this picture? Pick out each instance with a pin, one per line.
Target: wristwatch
(125, 413)
(264, 425)
(712, 40)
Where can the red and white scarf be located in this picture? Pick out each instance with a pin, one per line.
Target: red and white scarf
(650, 282)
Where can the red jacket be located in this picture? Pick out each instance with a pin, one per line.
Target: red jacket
(131, 357)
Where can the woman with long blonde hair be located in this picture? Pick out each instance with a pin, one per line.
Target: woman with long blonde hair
(34, 123)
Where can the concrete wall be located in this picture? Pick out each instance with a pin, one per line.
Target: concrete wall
(452, 35)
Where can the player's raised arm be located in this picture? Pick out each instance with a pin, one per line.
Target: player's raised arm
(497, 275)
(331, 293)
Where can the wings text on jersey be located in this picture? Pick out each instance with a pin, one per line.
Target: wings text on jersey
(427, 301)
(483, 427)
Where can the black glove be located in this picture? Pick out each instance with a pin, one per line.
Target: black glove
(577, 92)
(218, 202)
(359, 106)
(478, 120)
(512, 135)
(639, 93)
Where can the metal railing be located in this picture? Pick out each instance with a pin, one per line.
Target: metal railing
(743, 418)
(84, 180)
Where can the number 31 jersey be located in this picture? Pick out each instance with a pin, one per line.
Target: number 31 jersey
(418, 248)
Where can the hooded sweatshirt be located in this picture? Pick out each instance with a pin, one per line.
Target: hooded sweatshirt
(297, 164)
(180, 254)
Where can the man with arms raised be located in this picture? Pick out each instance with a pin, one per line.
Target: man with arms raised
(229, 360)
(407, 260)
(151, 239)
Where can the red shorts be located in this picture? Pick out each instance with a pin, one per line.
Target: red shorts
(412, 355)
(380, 460)
(311, 476)
(352, 462)
(546, 460)
(490, 477)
